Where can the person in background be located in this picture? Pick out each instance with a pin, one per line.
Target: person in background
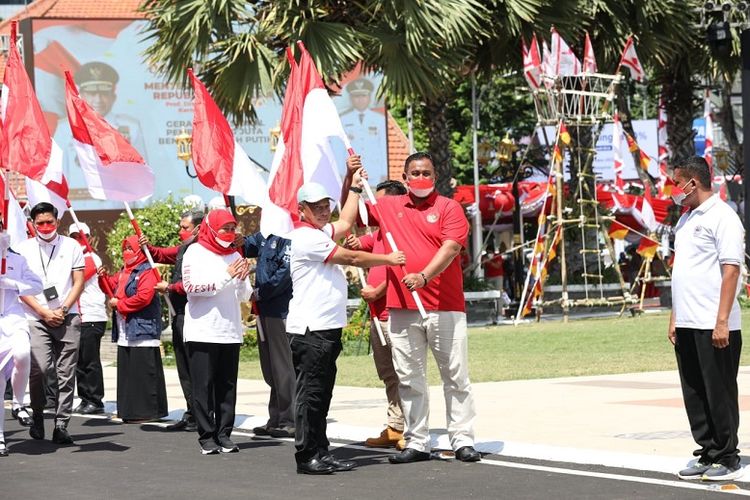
(215, 279)
(494, 269)
(54, 322)
(93, 308)
(189, 224)
(15, 349)
(272, 293)
(374, 294)
(136, 327)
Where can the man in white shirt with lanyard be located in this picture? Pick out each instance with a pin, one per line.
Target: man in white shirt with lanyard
(705, 323)
(53, 317)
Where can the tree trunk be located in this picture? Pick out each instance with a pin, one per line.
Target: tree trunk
(679, 101)
(436, 117)
(728, 126)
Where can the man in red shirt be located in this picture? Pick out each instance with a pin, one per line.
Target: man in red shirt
(431, 230)
(493, 269)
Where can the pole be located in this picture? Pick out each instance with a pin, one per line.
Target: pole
(107, 288)
(517, 240)
(745, 54)
(410, 127)
(5, 218)
(476, 232)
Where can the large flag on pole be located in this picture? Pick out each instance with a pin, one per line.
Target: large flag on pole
(221, 164)
(309, 121)
(617, 155)
(665, 182)
(29, 147)
(630, 60)
(532, 63)
(51, 192)
(113, 169)
(589, 59)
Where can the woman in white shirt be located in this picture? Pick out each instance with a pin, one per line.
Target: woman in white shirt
(214, 276)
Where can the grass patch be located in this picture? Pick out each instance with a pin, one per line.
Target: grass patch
(543, 350)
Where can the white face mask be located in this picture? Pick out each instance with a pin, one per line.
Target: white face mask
(222, 243)
(46, 237)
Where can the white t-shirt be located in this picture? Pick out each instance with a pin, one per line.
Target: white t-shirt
(54, 262)
(19, 279)
(705, 238)
(92, 303)
(319, 288)
(213, 311)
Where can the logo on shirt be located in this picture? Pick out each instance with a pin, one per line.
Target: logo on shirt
(432, 218)
(697, 230)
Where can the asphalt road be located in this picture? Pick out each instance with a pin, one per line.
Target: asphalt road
(115, 461)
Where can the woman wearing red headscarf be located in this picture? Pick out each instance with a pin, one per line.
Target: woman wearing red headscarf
(141, 391)
(214, 276)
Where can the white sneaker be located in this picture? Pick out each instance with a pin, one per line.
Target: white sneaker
(719, 472)
(3, 449)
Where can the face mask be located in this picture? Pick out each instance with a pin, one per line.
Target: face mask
(422, 187)
(185, 234)
(129, 257)
(679, 196)
(225, 239)
(46, 231)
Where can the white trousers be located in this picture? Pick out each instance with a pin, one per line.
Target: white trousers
(445, 333)
(15, 364)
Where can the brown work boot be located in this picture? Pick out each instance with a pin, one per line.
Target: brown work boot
(388, 438)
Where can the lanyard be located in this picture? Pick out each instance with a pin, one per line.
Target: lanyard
(41, 260)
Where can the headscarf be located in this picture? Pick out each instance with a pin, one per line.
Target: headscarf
(209, 229)
(130, 243)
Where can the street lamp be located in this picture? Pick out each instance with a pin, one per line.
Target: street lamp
(185, 150)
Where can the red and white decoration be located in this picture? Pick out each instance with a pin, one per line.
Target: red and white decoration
(589, 59)
(629, 59)
(708, 152)
(113, 169)
(564, 61)
(532, 64)
(617, 154)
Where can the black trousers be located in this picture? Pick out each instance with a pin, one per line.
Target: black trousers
(89, 375)
(183, 363)
(709, 387)
(314, 355)
(213, 373)
(278, 372)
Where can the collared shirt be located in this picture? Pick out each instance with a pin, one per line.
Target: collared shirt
(705, 238)
(54, 262)
(376, 275)
(419, 231)
(92, 303)
(319, 288)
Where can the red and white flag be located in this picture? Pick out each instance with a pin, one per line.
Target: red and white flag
(29, 148)
(617, 155)
(589, 59)
(564, 61)
(665, 182)
(309, 121)
(630, 60)
(532, 64)
(221, 163)
(708, 152)
(113, 169)
(51, 192)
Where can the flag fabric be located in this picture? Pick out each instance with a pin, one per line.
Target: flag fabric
(542, 272)
(589, 59)
(52, 192)
(617, 231)
(113, 169)
(221, 163)
(15, 218)
(309, 121)
(564, 61)
(29, 148)
(547, 67)
(532, 64)
(708, 152)
(617, 154)
(647, 248)
(644, 160)
(564, 134)
(629, 59)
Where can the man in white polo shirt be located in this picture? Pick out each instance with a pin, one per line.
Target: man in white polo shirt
(705, 323)
(317, 315)
(53, 317)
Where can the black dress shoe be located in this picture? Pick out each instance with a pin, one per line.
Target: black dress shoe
(190, 426)
(468, 454)
(261, 430)
(281, 432)
(92, 409)
(315, 467)
(80, 407)
(338, 465)
(409, 455)
(61, 435)
(36, 430)
(22, 415)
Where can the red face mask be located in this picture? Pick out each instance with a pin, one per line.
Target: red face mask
(129, 256)
(185, 234)
(421, 187)
(225, 239)
(46, 228)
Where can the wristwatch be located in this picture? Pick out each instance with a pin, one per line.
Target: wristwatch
(65, 309)
(355, 189)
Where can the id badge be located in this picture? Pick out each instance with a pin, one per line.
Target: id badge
(50, 293)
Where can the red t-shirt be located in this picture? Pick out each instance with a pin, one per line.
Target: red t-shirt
(420, 231)
(493, 268)
(374, 243)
